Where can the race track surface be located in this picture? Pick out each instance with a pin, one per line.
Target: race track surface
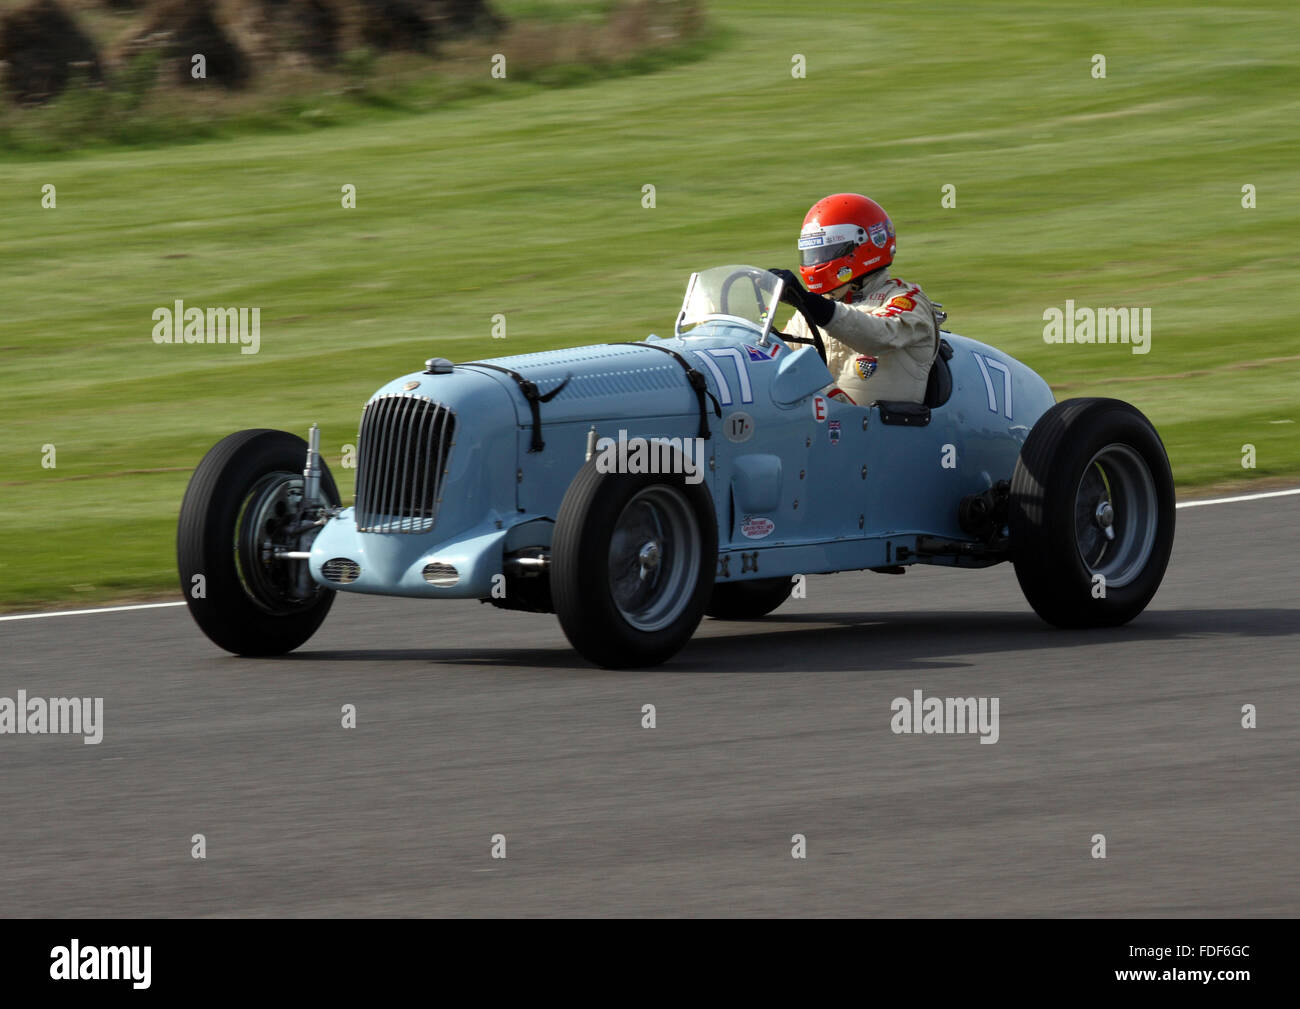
(473, 721)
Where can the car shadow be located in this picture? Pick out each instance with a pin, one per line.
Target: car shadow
(829, 642)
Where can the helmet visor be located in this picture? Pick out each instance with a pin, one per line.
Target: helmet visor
(818, 254)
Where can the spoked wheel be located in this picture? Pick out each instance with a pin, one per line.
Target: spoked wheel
(241, 513)
(1091, 513)
(1116, 514)
(263, 527)
(632, 562)
(654, 557)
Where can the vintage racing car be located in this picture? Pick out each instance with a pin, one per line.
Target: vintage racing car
(632, 488)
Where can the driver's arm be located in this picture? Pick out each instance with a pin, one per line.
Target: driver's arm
(889, 327)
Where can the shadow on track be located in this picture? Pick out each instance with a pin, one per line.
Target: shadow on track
(792, 642)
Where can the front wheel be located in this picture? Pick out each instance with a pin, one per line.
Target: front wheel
(632, 562)
(241, 507)
(1091, 516)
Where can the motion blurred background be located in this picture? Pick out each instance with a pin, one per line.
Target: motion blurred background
(524, 195)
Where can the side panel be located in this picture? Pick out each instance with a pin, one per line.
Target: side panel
(918, 475)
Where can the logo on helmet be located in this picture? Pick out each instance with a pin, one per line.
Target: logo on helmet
(845, 274)
(879, 235)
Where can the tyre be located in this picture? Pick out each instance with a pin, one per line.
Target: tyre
(632, 563)
(748, 600)
(236, 512)
(1091, 516)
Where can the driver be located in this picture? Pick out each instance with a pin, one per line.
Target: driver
(882, 334)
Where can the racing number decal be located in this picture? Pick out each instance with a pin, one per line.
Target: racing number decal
(985, 364)
(724, 390)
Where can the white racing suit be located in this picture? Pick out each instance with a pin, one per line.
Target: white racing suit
(882, 344)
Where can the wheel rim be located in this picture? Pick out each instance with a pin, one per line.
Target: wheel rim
(271, 506)
(654, 558)
(1116, 511)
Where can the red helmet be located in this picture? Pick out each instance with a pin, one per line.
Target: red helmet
(843, 237)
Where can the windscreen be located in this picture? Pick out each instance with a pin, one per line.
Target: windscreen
(740, 295)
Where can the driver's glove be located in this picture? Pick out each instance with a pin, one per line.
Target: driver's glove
(817, 308)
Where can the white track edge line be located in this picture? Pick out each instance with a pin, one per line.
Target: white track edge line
(1239, 497)
(102, 609)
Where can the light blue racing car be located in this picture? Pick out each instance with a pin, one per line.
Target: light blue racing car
(633, 488)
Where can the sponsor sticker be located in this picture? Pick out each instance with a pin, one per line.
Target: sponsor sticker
(756, 528)
(879, 235)
(844, 274)
(756, 354)
(903, 303)
(865, 367)
(819, 409)
(812, 241)
(739, 426)
(833, 431)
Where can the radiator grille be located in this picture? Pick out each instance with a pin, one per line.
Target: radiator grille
(402, 454)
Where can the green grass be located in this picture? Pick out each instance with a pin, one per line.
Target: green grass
(1116, 192)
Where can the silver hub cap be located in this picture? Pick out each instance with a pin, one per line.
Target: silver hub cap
(654, 558)
(649, 558)
(1106, 519)
(1115, 514)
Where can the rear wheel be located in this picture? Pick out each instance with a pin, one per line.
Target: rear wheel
(632, 561)
(241, 506)
(748, 600)
(1091, 513)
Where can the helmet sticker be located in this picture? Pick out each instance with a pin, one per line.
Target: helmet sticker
(812, 236)
(844, 275)
(879, 236)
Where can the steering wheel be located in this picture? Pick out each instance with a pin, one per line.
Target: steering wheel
(753, 276)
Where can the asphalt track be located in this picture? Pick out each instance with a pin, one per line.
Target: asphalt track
(474, 722)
